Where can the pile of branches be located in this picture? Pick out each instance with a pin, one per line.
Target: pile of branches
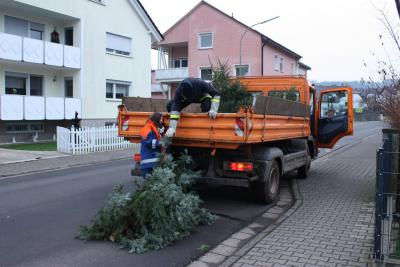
(161, 211)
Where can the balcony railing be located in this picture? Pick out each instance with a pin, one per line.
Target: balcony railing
(17, 48)
(171, 75)
(18, 107)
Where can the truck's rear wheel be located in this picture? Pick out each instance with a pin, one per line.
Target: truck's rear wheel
(304, 171)
(267, 191)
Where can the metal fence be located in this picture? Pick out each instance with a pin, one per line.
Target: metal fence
(88, 140)
(387, 212)
(368, 116)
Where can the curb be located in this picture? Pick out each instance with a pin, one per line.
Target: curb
(238, 243)
(34, 159)
(9, 176)
(298, 200)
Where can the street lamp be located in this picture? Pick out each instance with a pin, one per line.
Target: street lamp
(241, 39)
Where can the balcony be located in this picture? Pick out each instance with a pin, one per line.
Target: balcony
(171, 75)
(18, 107)
(17, 48)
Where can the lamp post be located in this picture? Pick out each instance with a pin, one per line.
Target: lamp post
(241, 39)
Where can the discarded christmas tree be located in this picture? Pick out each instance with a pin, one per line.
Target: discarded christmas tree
(233, 93)
(161, 211)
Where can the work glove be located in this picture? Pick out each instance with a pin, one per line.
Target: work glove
(212, 114)
(170, 132)
(214, 107)
(172, 128)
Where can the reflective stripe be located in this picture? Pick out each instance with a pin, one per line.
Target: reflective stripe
(216, 99)
(204, 97)
(153, 143)
(149, 160)
(175, 116)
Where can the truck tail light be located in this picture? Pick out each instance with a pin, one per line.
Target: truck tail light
(238, 166)
(137, 157)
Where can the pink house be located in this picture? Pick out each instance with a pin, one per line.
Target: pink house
(206, 34)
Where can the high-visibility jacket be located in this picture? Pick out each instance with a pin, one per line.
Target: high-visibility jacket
(191, 90)
(150, 147)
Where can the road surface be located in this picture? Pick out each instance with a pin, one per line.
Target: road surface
(40, 214)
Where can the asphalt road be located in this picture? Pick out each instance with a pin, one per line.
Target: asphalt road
(40, 214)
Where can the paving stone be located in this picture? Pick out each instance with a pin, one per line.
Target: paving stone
(212, 258)
(198, 264)
(334, 225)
(241, 236)
(270, 215)
(223, 250)
(232, 242)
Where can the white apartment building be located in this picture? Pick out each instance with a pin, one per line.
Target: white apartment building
(59, 57)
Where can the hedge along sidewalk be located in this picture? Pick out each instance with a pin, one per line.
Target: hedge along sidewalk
(62, 161)
(226, 251)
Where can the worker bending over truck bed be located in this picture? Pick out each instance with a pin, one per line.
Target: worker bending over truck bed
(192, 90)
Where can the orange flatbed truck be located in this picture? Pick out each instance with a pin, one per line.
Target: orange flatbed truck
(254, 147)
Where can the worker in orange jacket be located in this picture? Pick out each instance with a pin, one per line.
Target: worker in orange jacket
(150, 144)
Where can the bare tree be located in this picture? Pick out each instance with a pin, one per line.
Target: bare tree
(387, 90)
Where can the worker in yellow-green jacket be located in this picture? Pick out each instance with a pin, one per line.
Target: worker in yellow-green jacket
(192, 90)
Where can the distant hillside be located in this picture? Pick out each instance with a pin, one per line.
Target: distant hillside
(353, 84)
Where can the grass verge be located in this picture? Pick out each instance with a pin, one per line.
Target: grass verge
(46, 146)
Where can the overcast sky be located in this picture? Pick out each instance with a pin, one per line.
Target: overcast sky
(334, 37)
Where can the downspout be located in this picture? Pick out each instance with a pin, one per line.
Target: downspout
(262, 57)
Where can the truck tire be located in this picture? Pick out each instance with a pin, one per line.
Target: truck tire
(267, 191)
(304, 170)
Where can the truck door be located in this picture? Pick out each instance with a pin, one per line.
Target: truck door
(335, 116)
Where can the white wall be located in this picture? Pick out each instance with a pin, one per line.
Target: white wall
(119, 17)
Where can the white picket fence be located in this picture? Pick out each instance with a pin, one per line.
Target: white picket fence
(87, 140)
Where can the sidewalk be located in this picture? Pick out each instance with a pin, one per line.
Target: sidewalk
(334, 225)
(13, 155)
(60, 161)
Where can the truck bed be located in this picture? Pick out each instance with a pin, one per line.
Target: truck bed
(228, 130)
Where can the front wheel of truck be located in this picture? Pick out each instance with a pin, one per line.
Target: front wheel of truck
(267, 191)
(304, 170)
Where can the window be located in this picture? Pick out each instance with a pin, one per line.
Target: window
(242, 70)
(205, 40)
(206, 74)
(311, 102)
(17, 84)
(117, 89)
(110, 123)
(24, 127)
(36, 83)
(121, 90)
(276, 63)
(117, 44)
(16, 26)
(69, 87)
(179, 63)
(334, 104)
(281, 65)
(36, 30)
(23, 27)
(69, 36)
